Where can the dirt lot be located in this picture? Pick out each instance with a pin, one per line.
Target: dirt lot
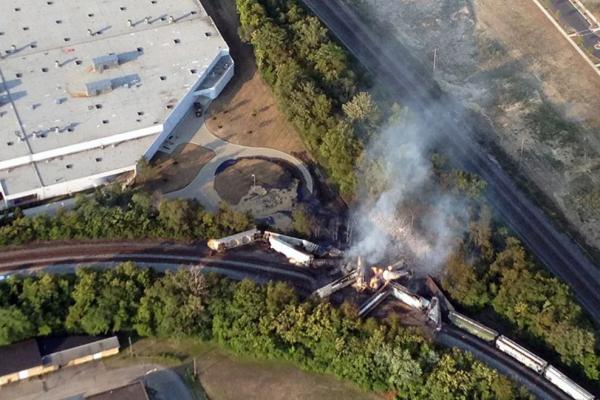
(245, 113)
(224, 376)
(511, 65)
(274, 196)
(177, 170)
(235, 181)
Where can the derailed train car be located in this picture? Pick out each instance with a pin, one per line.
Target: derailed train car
(522, 355)
(233, 241)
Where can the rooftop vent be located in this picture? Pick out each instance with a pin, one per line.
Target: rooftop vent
(104, 62)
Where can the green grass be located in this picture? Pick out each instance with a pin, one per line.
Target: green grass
(223, 375)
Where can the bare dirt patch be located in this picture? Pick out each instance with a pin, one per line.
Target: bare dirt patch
(246, 113)
(509, 64)
(274, 196)
(235, 180)
(177, 170)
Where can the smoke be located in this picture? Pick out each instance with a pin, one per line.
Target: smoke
(408, 216)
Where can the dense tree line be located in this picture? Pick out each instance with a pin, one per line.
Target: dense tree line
(493, 272)
(313, 81)
(114, 214)
(268, 321)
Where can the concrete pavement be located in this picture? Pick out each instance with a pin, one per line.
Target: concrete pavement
(580, 23)
(95, 377)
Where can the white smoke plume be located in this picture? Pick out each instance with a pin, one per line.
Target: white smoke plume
(409, 218)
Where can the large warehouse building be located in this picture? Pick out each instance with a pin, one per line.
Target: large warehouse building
(89, 87)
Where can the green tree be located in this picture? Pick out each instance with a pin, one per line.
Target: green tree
(14, 325)
(362, 109)
(302, 221)
(45, 299)
(175, 306)
(107, 301)
(463, 283)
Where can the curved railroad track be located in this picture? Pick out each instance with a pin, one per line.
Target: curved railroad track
(161, 255)
(452, 337)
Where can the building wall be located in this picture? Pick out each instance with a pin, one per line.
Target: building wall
(25, 374)
(183, 106)
(92, 357)
(69, 187)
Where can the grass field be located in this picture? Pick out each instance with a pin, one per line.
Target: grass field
(225, 376)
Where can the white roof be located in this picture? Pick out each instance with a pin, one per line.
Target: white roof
(48, 73)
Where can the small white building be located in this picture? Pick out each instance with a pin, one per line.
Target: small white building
(89, 87)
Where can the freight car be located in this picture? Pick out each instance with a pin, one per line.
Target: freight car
(522, 355)
(566, 385)
(233, 241)
(294, 255)
(473, 327)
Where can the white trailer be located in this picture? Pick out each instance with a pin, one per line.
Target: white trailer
(412, 300)
(566, 385)
(521, 354)
(294, 255)
(305, 244)
(233, 241)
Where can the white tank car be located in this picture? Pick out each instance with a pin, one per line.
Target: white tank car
(521, 354)
(294, 256)
(566, 385)
(233, 241)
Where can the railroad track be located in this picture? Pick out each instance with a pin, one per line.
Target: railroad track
(66, 258)
(540, 387)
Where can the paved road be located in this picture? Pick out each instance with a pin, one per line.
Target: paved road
(569, 16)
(91, 378)
(393, 66)
(202, 187)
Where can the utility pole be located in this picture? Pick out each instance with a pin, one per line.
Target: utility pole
(195, 371)
(130, 347)
(434, 58)
(253, 181)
